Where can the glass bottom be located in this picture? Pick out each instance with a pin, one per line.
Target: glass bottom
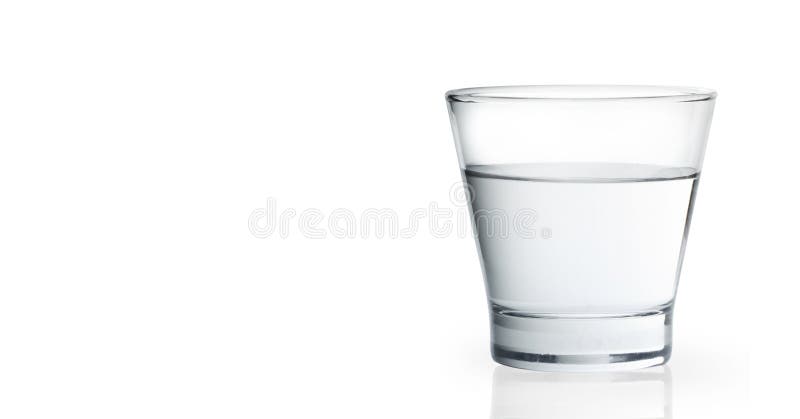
(582, 344)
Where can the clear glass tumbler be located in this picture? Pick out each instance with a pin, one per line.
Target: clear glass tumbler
(581, 200)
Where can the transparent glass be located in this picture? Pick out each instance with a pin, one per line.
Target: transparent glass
(581, 200)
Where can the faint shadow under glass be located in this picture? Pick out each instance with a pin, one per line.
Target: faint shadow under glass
(632, 394)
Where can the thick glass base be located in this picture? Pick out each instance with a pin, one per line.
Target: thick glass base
(582, 344)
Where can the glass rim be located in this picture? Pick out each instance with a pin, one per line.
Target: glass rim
(579, 92)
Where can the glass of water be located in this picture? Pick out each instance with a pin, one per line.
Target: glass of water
(581, 200)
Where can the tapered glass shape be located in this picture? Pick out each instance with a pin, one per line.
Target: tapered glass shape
(581, 200)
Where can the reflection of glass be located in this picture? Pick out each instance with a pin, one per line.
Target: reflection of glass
(620, 395)
(581, 199)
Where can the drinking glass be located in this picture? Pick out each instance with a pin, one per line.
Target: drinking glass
(581, 199)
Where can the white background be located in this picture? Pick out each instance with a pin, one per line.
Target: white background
(136, 138)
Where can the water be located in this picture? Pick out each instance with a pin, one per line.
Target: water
(592, 240)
